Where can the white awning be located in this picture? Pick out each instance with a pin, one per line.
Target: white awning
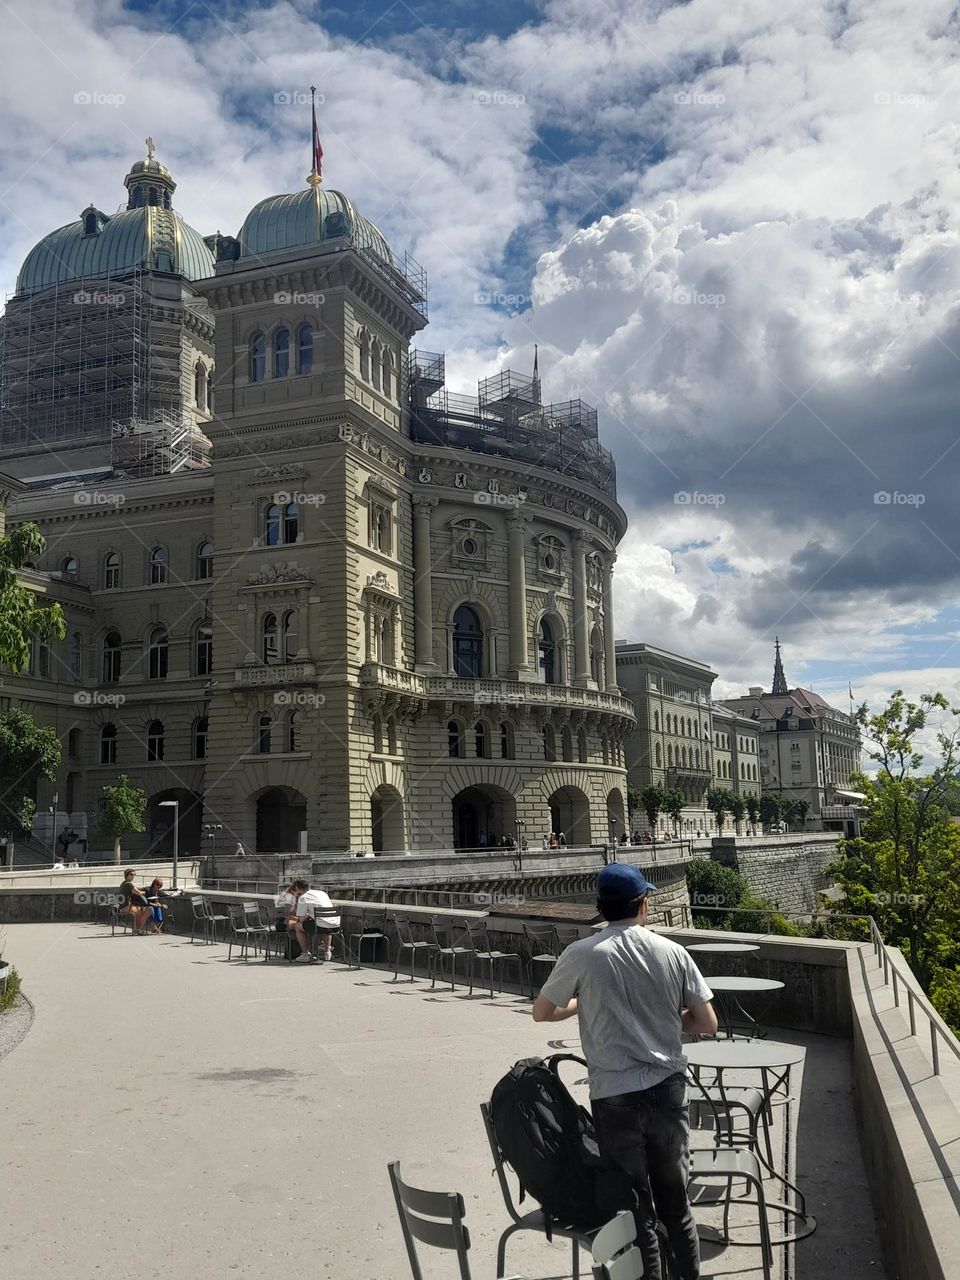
(851, 795)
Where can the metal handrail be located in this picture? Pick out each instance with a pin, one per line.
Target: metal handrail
(938, 1028)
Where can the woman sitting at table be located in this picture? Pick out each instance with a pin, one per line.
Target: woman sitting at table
(134, 902)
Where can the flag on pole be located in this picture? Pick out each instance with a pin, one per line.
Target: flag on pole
(317, 148)
(536, 374)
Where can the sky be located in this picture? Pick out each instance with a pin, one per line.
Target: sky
(731, 225)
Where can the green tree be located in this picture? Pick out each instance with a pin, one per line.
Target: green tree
(652, 802)
(27, 754)
(674, 803)
(737, 805)
(123, 809)
(798, 815)
(904, 868)
(22, 620)
(718, 802)
(771, 808)
(753, 809)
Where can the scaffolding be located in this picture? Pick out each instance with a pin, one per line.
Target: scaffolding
(506, 418)
(73, 360)
(166, 444)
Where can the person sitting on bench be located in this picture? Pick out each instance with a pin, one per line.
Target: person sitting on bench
(134, 902)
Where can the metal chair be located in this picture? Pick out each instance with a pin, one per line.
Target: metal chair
(725, 1103)
(536, 1219)
(450, 938)
(259, 931)
(373, 926)
(199, 909)
(414, 946)
(488, 955)
(542, 947)
(120, 918)
(214, 918)
(567, 933)
(241, 932)
(320, 914)
(434, 1218)
(614, 1250)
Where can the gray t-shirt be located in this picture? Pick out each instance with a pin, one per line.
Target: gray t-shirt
(630, 986)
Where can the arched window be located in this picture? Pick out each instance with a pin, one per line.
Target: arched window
(281, 353)
(271, 525)
(656, 721)
(683, 757)
(364, 345)
(305, 349)
(108, 744)
(507, 745)
(698, 757)
(375, 366)
(454, 740)
(547, 653)
(155, 740)
(383, 641)
(392, 736)
(264, 733)
(658, 755)
(205, 560)
(158, 566)
(669, 755)
(566, 744)
(549, 742)
(467, 644)
(291, 633)
(258, 358)
(200, 731)
(269, 638)
(377, 735)
(386, 372)
(200, 386)
(157, 654)
(204, 649)
(293, 731)
(111, 657)
(74, 738)
(111, 571)
(90, 223)
(76, 655)
(291, 522)
(582, 746)
(689, 727)
(481, 740)
(43, 659)
(70, 568)
(596, 656)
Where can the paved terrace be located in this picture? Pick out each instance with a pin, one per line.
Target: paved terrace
(170, 1114)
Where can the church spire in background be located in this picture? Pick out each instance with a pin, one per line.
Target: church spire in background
(779, 679)
(536, 374)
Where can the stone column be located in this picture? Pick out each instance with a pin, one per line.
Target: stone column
(581, 621)
(609, 634)
(423, 507)
(517, 575)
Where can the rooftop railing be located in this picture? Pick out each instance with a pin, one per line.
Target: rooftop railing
(893, 975)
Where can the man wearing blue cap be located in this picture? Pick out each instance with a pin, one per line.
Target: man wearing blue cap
(635, 992)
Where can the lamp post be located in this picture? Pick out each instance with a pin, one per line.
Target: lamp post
(175, 806)
(520, 824)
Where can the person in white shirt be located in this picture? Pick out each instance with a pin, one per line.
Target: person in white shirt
(59, 865)
(326, 920)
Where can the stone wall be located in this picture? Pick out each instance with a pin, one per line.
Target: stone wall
(788, 870)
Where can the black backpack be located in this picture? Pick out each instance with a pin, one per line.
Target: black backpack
(549, 1142)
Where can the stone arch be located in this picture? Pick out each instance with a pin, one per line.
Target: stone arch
(281, 815)
(387, 823)
(616, 818)
(159, 822)
(482, 813)
(570, 814)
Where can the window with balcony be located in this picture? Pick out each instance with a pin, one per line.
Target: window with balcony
(467, 644)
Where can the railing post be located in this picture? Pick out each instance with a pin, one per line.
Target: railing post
(935, 1048)
(912, 1011)
(896, 989)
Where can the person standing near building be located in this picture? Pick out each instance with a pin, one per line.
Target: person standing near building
(635, 992)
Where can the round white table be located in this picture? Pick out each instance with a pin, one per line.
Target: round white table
(773, 1060)
(723, 948)
(730, 988)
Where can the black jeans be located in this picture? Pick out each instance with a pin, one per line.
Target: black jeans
(646, 1136)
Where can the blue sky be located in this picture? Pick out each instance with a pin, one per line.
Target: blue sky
(731, 226)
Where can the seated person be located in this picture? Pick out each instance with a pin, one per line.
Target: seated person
(155, 896)
(302, 921)
(59, 864)
(134, 902)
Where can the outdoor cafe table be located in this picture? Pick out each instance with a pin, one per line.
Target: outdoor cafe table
(728, 989)
(723, 948)
(773, 1060)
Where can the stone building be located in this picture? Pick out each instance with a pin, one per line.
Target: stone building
(808, 749)
(736, 753)
(311, 594)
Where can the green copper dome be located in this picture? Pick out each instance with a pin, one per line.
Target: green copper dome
(147, 234)
(307, 218)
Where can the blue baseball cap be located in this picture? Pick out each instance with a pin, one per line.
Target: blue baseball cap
(622, 881)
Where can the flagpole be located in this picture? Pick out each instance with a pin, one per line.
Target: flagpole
(314, 178)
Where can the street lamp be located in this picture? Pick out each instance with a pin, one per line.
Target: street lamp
(520, 824)
(175, 806)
